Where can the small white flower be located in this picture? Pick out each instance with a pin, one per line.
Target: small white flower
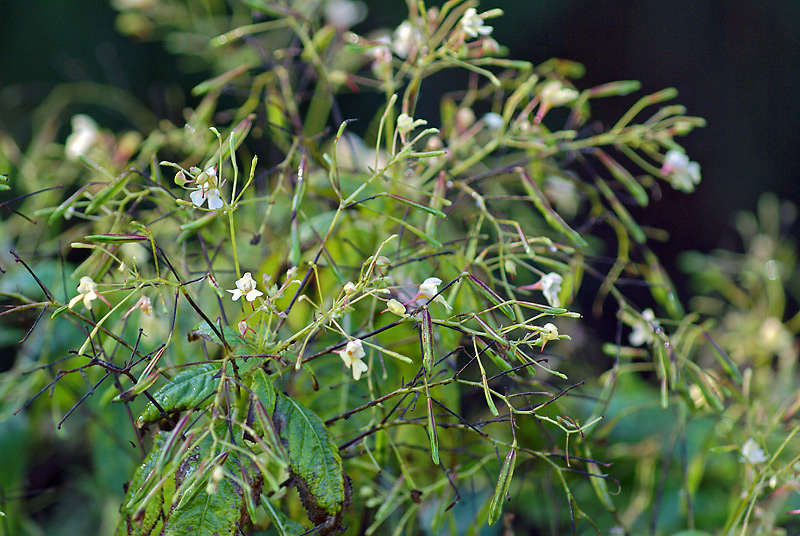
(85, 135)
(683, 174)
(429, 287)
(207, 190)
(87, 291)
(473, 25)
(407, 39)
(352, 356)
(246, 286)
(752, 453)
(643, 331)
(551, 286)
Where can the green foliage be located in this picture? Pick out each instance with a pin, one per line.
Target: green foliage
(372, 313)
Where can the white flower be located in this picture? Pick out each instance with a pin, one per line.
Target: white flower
(246, 286)
(429, 287)
(352, 356)
(407, 39)
(555, 94)
(551, 285)
(207, 190)
(84, 135)
(349, 288)
(644, 329)
(345, 13)
(752, 453)
(87, 291)
(472, 24)
(683, 174)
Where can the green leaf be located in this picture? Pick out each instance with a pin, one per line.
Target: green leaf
(265, 396)
(207, 514)
(181, 504)
(314, 462)
(191, 389)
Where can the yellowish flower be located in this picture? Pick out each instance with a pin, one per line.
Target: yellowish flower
(87, 291)
(429, 288)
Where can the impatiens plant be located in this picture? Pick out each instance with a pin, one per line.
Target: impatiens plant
(316, 325)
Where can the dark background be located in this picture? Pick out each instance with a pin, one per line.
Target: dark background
(735, 63)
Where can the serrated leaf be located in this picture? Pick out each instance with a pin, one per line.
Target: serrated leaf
(501, 489)
(193, 511)
(190, 389)
(314, 461)
(492, 296)
(263, 401)
(207, 514)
